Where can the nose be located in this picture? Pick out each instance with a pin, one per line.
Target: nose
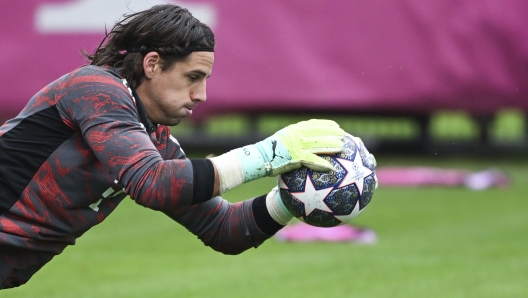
(199, 93)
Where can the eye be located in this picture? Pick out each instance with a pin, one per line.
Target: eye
(193, 78)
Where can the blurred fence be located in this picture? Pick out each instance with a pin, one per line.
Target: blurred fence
(402, 58)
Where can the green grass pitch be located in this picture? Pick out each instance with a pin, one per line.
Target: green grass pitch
(433, 242)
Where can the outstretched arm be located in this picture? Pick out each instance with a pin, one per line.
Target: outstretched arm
(230, 228)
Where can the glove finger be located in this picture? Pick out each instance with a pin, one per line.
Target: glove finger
(294, 165)
(312, 129)
(315, 131)
(317, 163)
(326, 144)
(318, 122)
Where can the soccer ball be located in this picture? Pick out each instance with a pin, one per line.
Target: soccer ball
(328, 199)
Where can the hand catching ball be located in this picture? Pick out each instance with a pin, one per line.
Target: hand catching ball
(327, 199)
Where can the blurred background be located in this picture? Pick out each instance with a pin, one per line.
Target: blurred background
(435, 85)
(404, 75)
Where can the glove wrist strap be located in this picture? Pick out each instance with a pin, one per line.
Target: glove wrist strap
(239, 166)
(275, 208)
(229, 171)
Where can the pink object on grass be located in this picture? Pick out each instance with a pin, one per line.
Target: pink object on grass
(302, 232)
(429, 176)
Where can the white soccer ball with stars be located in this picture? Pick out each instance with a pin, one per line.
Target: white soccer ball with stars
(328, 199)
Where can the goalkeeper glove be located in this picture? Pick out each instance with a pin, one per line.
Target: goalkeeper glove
(290, 148)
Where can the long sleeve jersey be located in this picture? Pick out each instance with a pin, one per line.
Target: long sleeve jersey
(79, 147)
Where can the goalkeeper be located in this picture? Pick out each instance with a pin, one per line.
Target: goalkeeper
(102, 132)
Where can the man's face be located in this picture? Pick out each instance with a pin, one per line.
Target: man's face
(170, 95)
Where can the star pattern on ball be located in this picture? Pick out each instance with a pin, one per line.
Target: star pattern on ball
(346, 218)
(313, 198)
(356, 172)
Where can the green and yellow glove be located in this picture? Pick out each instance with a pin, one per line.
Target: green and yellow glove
(292, 147)
(288, 149)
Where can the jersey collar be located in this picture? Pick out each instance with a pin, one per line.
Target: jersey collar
(149, 126)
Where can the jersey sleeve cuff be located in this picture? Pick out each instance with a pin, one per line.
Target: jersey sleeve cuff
(203, 180)
(262, 217)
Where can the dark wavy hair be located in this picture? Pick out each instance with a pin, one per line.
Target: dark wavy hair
(166, 29)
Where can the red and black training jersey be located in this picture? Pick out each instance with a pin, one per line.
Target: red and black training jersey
(79, 147)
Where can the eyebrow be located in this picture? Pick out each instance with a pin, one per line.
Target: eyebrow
(199, 72)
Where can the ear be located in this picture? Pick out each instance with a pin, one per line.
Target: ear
(151, 63)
